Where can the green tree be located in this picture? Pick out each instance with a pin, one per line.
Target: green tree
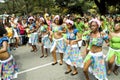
(60, 6)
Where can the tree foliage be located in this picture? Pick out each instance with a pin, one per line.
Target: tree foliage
(60, 6)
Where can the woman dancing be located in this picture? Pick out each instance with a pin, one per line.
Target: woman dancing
(8, 66)
(94, 57)
(72, 54)
(45, 37)
(114, 50)
(58, 43)
(33, 39)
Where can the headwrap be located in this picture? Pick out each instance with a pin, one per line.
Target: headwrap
(69, 22)
(95, 20)
(41, 18)
(30, 19)
(57, 16)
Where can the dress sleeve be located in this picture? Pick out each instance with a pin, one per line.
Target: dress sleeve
(75, 31)
(105, 36)
(3, 39)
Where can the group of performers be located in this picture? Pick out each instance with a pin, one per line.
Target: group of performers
(67, 37)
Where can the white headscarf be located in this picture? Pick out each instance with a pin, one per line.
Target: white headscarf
(31, 18)
(57, 16)
(41, 18)
(69, 22)
(95, 20)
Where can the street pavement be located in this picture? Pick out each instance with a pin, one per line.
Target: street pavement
(32, 67)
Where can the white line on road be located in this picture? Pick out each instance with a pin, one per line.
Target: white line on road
(35, 68)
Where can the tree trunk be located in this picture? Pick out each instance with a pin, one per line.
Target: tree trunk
(102, 6)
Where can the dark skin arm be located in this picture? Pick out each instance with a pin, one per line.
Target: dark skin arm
(4, 48)
(79, 38)
(33, 30)
(63, 30)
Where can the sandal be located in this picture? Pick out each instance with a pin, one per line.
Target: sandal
(54, 63)
(68, 71)
(72, 74)
(41, 56)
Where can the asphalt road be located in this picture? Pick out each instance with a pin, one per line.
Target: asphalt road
(32, 67)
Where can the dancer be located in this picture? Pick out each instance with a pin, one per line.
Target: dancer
(114, 50)
(33, 39)
(72, 54)
(45, 37)
(8, 66)
(58, 43)
(94, 54)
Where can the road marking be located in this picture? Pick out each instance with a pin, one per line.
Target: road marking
(35, 68)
